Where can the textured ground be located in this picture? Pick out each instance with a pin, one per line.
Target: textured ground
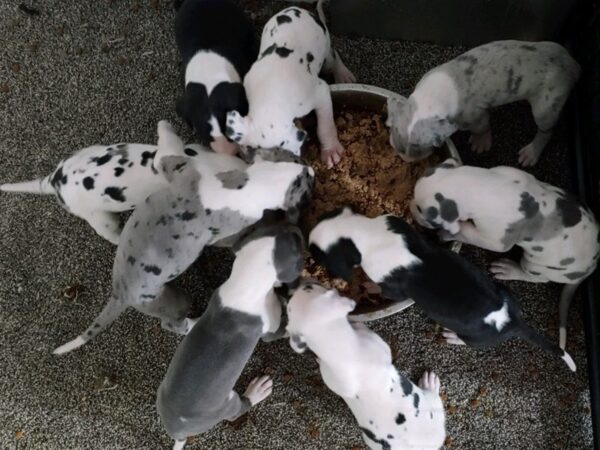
(106, 71)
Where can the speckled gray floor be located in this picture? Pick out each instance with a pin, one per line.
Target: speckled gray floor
(106, 71)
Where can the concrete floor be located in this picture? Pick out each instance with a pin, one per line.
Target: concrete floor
(106, 71)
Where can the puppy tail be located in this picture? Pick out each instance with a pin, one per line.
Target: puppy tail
(111, 311)
(533, 337)
(567, 294)
(39, 186)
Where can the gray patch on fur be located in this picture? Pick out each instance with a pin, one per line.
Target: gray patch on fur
(233, 179)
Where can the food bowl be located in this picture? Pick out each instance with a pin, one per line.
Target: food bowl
(349, 98)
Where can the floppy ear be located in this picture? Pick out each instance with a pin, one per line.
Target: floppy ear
(297, 343)
(288, 256)
(226, 97)
(237, 127)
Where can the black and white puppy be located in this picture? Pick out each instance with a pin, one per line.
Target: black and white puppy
(284, 84)
(558, 235)
(356, 364)
(217, 43)
(197, 391)
(474, 309)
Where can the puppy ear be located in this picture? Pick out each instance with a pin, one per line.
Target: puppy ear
(297, 343)
(177, 170)
(169, 143)
(395, 108)
(237, 127)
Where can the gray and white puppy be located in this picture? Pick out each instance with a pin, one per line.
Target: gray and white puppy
(167, 232)
(98, 182)
(457, 96)
(559, 236)
(392, 412)
(197, 391)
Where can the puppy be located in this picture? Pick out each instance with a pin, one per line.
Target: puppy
(458, 94)
(167, 232)
(98, 182)
(217, 43)
(197, 391)
(558, 235)
(284, 84)
(452, 291)
(356, 364)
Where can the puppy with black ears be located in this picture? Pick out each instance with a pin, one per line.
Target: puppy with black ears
(197, 391)
(217, 43)
(474, 309)
(356, 364)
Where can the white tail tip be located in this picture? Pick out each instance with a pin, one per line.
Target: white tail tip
(71, 345)
(567, 358)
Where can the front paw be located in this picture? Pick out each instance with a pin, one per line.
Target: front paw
(528, 156)
(331, 156)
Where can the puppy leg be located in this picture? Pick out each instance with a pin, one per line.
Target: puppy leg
(469, 234)
(566, 296)
(430, 382)
(452, 338)
(334, 64)
(481, 133)
(106, 224)
(331, 148)
(259, 389)
(507, 269)
(171, 306)
(545, 109)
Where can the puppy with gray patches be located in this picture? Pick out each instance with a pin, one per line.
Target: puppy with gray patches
(167, 232)
(216, 41)
(98, 182)
(356, 364)
(197, 391)
(284, 84)
(559, 236)
(474, 309)
(458, 94)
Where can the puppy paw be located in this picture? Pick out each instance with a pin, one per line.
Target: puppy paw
(332, 156)
(430, 382)
(343, 75)
(528, 156)
(506, 269)
(451, 337)
(481, 142)
(259, 389)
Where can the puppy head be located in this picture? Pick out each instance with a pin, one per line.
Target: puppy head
(429, 207)
(331, 246)
(415, 138)
(311, 309)
(245, 132)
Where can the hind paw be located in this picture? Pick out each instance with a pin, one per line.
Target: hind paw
(506, 269)
(259, 389)
(429, 381)
(451, 337)
(528, 156)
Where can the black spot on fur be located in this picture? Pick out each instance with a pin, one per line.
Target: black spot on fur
(385, 445)
(569, 211)
(555, 268)
(282, 18)
(416, 400)
(309, 57)
(537, 248)
(89, 333)
(116, 193)
(96, 325)
(131, 260)
(407, 386)
(431, 213)
(448, 208)
(400, 419)
(296, 11)
(150, 296)
(319, 22)
(389, 436)
(186, 215)
(175, 236)
(119, 171)
(147, 156)
(529, 206)
(283, 52)
(575, 275)
(190, 151)
(88, 183)
(567, 261)
(102, 159)
(153, 269)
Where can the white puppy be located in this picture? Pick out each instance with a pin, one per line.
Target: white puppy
(356, 364)
(284, 84)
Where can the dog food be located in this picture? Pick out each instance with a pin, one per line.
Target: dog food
(371, 178)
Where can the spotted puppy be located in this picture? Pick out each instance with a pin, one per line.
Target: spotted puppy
(356, 364)
(284, 84)
(98, 182)
(197, 391)
(558, 235)
(452, 291)
(168, 231)
(217, 43)
(458, 94)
